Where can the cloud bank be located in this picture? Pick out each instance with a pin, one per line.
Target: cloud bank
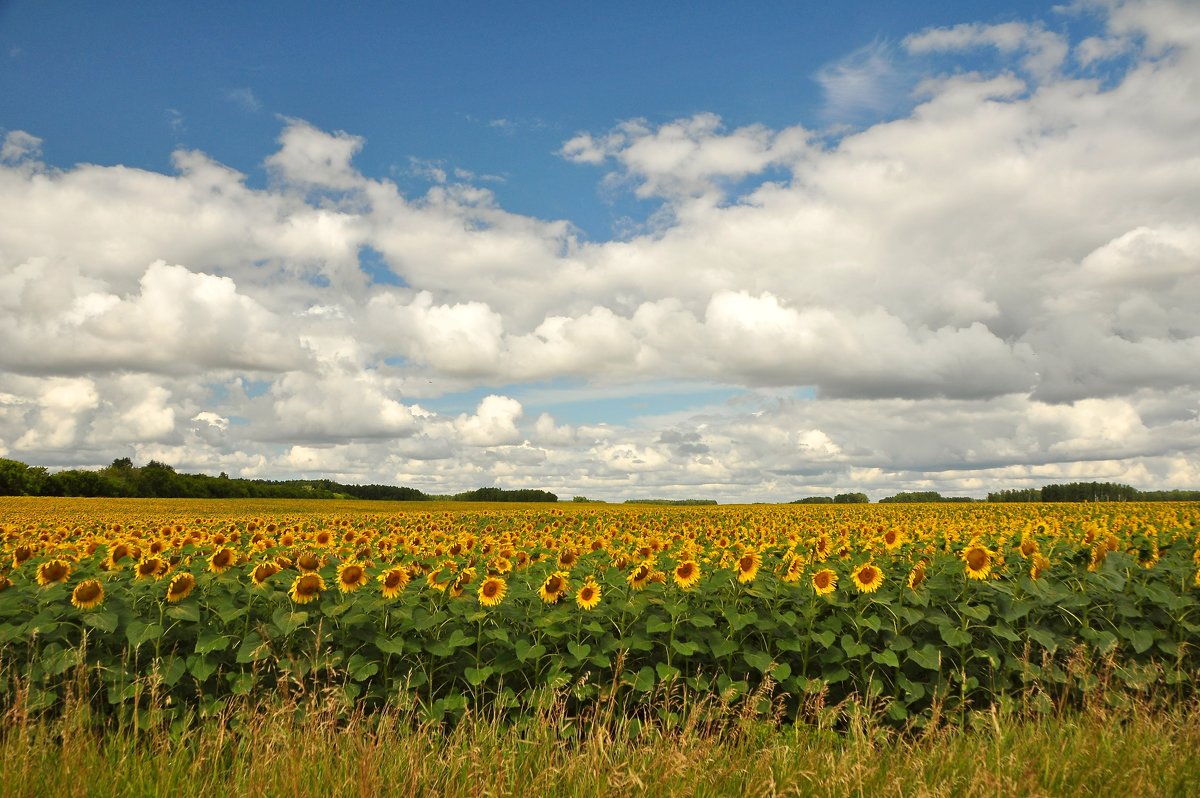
(997, 288)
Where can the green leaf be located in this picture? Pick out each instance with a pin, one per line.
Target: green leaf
(1043, 638)
(201, 668)
(241, 683)
(361, 668)
(927, 656)
(781, 671)
(758, 660)
(104, 620)
(701, 621)
(477, 676)
(390, 645)
(853, 648)
(579, 650)
(527, 651)
(825, 638)
(666, 672)
(685, 647)
(953, 636)
(1141, 639)
(871, 622)
(189, 612)
(644, 682)
(211, 641)
(173, 671)
(980, 612)
(657, 626)
(251, 649)
(886, 657)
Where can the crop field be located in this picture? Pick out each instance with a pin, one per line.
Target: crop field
(917, 612)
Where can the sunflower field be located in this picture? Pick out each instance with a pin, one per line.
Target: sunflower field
(917, 610)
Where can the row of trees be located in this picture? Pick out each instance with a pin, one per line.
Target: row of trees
(841, 498)
(157, 480)
(1093, 492)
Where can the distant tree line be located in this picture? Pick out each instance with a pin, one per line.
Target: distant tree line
(673, 502)
(922, 496)
(502, 495)
(841, 498)
(157, 480)
(1092, 492)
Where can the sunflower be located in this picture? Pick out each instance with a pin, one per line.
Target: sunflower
(492, 591)
(351, 576)
(264, 571)
(553, 588)
(53, 572)
(150, 567)
(307, 562)
(893, 539)
(20, 555)
(222, 560)
(1029, 547)
(978, 560)
(306, 588)
(589, 595)
(180, 586)
(916, 576)
(748, 565)
(687, 574)
(824, 581)
(393, 581)
(567, 558)
(867, 578)
(116, 553)
(795, 569)
(324, 538)
(1039, 567)
(640, 577)
(5, 583)
(459, 586)
(88, 594)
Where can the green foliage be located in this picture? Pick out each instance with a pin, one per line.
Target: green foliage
(814, 500)
(922, 496)
(851, 498)
(502, 495)
(1092, 492)
(673, 502)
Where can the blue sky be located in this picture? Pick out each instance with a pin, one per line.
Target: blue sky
(493, 88)
(743, 251)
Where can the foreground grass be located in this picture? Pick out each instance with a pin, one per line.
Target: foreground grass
(282, 751)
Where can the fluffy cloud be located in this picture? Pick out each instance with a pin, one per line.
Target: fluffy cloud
(994, 288)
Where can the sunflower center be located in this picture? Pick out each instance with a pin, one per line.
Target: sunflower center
(977, 559)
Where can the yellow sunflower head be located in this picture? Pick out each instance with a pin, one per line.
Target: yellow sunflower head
(639, 577)
(893, 539)
(351, 576)
(553, 588)
(867, 578)
(589, 595)
(825, 581)
(978, 560)
(748, 565)
(916, 576)
(150, 568)
(393, 581)
(687, 574)
(264, 571)
(180, 586)
(1040, 565)
(492, 591)
(306, 588)
(222, 560)
(53, 572)
(88, 594)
